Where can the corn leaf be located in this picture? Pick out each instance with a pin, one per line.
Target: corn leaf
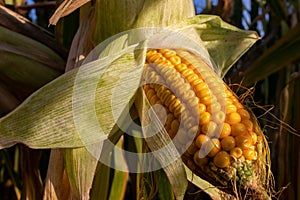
(282, 53)
(19, 24)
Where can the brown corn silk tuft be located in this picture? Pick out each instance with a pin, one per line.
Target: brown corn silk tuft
(218, 137)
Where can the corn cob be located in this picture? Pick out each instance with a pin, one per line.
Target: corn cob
(208, 124)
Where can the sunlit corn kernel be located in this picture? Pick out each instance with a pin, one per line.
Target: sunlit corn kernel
(167, 53)
(174, 104)
(209, 129)
(188, 95)
(248, 124)
(174, 78)
(230, 108)
(194, 105)
(238, 129)
(236, 152)
(212, 147)
(196, 82)
(218, 90)
(193, 132)
(202, 108)
(187, 72)
(154, 57)
(181, 89)
(167, 72)
(228, 143)
(181, 67)
(204, 118)
(233, 118)
(189, 123)
(201, 139)
(203, 93)
(253, 136)
(191, 78)
(199, 160)
(200, 87)
(238, 105)
(222, 159)
(243, 141)
(226, 130)
(207, 100)
(213, 108)
(151, 53)
(218, 117)
(249, 154)
(175, 60)
(228, 92)
(243, 113)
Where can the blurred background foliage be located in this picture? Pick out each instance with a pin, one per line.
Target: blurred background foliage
(267, 79)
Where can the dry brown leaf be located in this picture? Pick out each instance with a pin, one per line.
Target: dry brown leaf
(66, 8)
(57, 183)
(81, 44)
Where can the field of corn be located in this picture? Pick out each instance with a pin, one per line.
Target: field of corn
(149, 99)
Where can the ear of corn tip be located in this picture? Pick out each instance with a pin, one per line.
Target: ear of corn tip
(202, 108)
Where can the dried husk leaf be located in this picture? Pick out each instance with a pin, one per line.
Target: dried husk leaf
(65, 8)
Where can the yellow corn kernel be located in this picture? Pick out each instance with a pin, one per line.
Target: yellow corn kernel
(230, 108)
(226, 130)
(228, 143)
(244, 114)
(201, 140)
(209, 129)
(205, 118)
(222, 159)
(243, 141)
(249, 154)
(238, 129)
(248, 124)
(253, 136)
(212, 147)
(236, 152)
(233, 118)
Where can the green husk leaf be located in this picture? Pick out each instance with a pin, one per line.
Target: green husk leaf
(120, 178)
(224, 42)
(47, 119)
(137, 14)
(80, 165)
